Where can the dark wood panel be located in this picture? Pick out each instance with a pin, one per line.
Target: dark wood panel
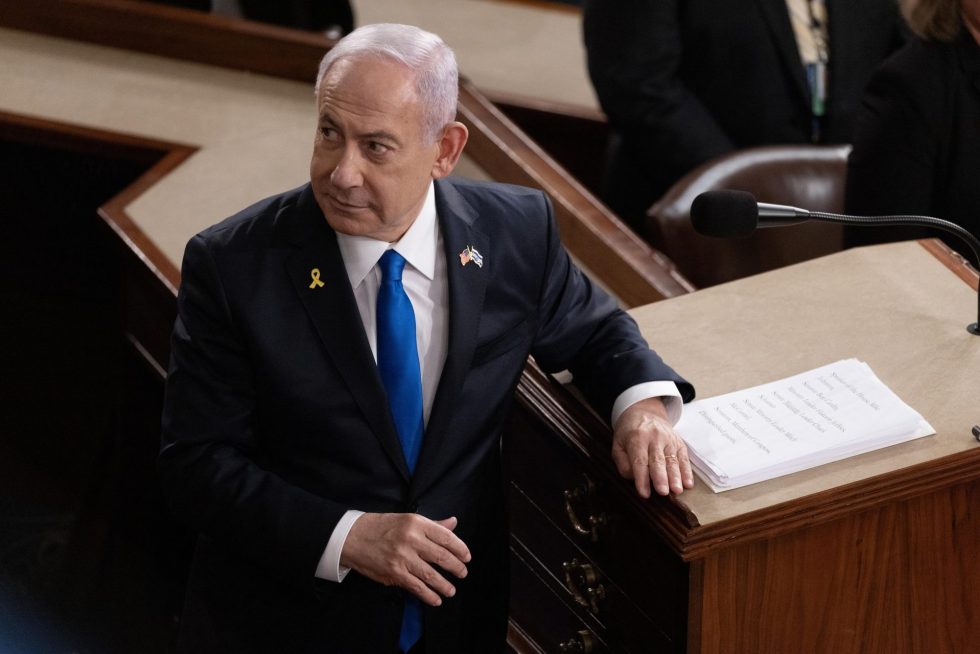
(541, 610)
(591, 590)
(149, 311)
(518, 640)
(80, 425)
(149, 279)
(556, 495)
(155, 158)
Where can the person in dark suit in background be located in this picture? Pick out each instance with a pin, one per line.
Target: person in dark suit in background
(686, 81)
(917, 141)
(343, 361)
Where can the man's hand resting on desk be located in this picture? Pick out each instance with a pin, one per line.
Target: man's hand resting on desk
(646, 448)
(398, 549)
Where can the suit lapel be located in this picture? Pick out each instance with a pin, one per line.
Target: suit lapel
(334, 314)
(467, 288)
(776, 15)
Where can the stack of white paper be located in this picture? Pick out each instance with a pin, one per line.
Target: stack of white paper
(816, 417)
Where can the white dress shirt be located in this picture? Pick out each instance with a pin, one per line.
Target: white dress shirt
(427, 286)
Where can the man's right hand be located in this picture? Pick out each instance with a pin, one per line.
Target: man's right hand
(398, 549)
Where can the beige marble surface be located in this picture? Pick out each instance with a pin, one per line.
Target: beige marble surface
(502, 46)
(893, 306)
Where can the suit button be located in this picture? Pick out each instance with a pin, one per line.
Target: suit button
(414, 507)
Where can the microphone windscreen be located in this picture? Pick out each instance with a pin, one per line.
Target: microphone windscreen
(725, 213)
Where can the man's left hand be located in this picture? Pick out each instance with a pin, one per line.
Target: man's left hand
(646, 449)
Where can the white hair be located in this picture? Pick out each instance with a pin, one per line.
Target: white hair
(429, 58)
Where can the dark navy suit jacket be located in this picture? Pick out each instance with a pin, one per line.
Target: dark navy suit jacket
(276, 421)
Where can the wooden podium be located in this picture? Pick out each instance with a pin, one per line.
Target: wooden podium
(876, 553)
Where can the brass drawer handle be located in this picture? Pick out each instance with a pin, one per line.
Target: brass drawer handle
(584, 585)
(584, 496)
(581, 643)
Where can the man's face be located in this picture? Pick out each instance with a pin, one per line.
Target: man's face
(371, 164)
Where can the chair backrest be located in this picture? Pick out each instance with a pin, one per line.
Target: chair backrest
(808, 176)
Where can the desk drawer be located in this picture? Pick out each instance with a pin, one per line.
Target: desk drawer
(542, 614)
(573, 494)
(582, 583)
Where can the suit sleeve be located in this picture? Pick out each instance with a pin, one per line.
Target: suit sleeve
(209, 461)
(581, 328)
(634, 51)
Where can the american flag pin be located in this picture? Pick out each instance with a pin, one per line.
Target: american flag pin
(468, 254)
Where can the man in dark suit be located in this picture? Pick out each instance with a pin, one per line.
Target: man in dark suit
(683, 82)
(286, 443)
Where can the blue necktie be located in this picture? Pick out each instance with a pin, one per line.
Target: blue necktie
(398, 363)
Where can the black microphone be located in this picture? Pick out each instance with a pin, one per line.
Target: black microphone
(736, 213)
(728, 213)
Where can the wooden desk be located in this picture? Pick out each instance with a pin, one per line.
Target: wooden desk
(876, 553)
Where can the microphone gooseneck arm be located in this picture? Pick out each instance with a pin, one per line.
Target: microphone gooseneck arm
(724, 213)
(898, 221)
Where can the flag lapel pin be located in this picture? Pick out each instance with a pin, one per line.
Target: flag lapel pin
(469, 254)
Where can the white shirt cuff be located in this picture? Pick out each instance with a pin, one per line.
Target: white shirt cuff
(665, 390)
(329, 567)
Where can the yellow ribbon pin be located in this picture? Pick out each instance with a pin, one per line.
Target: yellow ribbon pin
(315, 274)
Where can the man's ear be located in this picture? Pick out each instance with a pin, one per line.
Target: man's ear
(450, 148)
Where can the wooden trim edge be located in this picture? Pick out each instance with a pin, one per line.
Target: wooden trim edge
(135, 239)
(953, 260)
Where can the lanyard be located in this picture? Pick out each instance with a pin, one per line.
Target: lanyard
(816, 72)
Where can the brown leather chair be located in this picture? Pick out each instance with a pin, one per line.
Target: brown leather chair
(807, 176)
